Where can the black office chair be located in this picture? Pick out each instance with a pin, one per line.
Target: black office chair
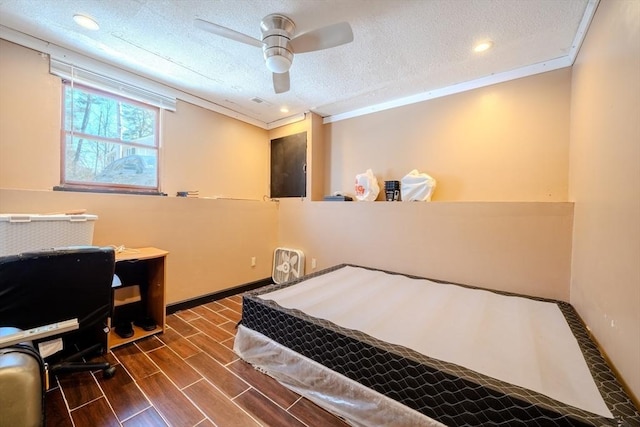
(45, 287)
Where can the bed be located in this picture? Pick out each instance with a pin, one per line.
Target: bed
(381, 348)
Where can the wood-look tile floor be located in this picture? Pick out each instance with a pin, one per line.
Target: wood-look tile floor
(187, 376)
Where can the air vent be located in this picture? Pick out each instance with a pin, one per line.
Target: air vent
(260, 101)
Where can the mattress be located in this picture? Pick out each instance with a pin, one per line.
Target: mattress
(367, 344)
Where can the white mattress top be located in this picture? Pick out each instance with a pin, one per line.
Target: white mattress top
(517, 340)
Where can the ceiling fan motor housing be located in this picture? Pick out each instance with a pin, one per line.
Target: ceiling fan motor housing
(277, 31)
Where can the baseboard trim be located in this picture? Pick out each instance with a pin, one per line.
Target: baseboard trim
(185, 305)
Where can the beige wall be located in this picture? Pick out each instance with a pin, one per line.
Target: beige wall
(211, 241)
(30, 116)
(512, 122)
(517, 247)
(214, 154)
(201, 150)
(480, 146)
(506, 142)
(605, 184)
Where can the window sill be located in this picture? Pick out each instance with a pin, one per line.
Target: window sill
(82, 189)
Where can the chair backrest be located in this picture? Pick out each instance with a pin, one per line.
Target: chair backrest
(39, 288)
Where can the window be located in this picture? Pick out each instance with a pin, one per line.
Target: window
(108, 141)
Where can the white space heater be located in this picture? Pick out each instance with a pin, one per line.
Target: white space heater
(288, 264)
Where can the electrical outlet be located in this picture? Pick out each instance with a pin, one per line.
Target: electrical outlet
(313, 263)
(253, 261)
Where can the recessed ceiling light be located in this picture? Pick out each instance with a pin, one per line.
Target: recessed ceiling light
(482, 46)
(86, 22)
(284, 110)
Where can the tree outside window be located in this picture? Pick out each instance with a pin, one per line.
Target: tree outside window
(108, 141)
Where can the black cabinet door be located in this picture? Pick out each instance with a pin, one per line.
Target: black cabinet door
(289, 166)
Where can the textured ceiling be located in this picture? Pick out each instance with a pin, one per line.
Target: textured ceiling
(401, 47)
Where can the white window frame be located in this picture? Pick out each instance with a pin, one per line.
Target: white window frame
(71, 133)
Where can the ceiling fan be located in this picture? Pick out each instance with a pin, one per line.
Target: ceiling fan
(279, 44)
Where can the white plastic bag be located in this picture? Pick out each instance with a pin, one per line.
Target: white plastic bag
(367, 187)
(417, 186)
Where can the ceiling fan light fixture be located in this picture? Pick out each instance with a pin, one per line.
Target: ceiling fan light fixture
(86, 22)
(278, 64)
(278, 60)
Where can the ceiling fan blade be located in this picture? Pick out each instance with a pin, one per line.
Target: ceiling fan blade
(281, 82)
(323, 38)
(226, 32)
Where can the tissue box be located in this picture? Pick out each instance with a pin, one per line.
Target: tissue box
(28, 232)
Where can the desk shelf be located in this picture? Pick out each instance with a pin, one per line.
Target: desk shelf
(154, 260)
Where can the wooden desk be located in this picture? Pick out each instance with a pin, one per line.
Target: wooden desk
(155, 293)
